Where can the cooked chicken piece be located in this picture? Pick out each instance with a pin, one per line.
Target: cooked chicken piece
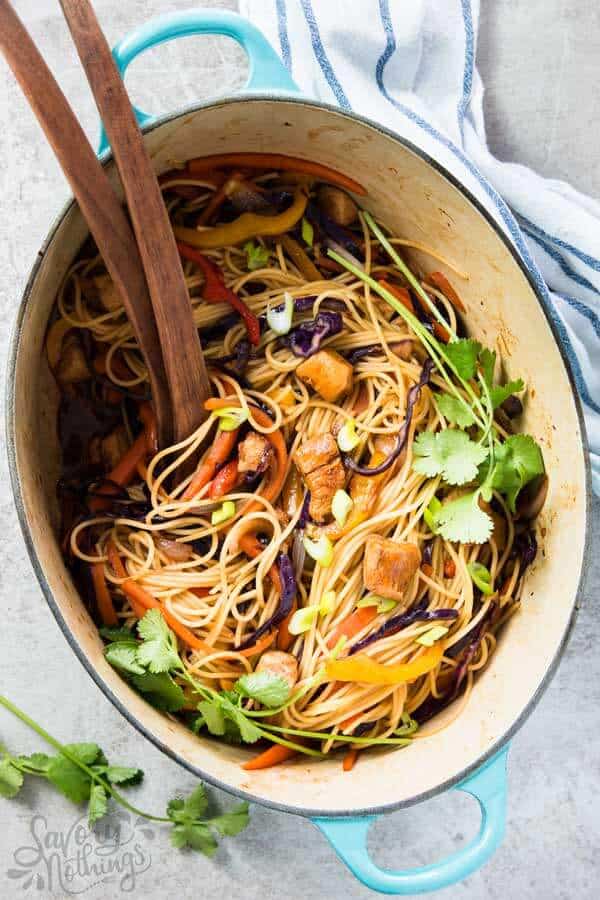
(114, 446)
(329, 374)
(107, 292)
(255, 454)
(315, 452)
(322, 484)
(72, 365)
(281, 664)
(319, 462)
(388, 566)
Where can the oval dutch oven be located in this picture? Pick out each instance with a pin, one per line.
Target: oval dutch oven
(508, 306)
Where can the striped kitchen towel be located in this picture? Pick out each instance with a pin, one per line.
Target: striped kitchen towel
(411, 66)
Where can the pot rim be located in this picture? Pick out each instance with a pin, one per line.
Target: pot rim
(538, 288)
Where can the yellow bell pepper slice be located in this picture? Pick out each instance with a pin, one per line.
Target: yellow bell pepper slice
(246, 226)
(364, 669)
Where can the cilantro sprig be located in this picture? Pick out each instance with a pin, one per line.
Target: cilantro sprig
(469, 402)
(83, 774)
(153, 665)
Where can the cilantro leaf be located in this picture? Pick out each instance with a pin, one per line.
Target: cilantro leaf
(462, 520)
(454, 411)
(69, 779)
(97, 804)
(450, 453)
(231, 823)
(487, 360)
(126, 776)
(518, 460)
(249, 732)
(11, 779)
(212, 716)
(158, 650)
(160, 690)
(36, 762)
(122, 655)
(196, 835)
(117, 634)
(180, 810)
(257, 256)
(500, 393)
(463, 356)
(266, 688)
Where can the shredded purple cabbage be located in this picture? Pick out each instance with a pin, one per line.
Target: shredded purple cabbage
(526, 547)
(305, 339)
(427, 552)
(411, 401)
(304, 511)
(470, 650)
(355, 355)
(288, 593)
(219, 329)
(347, 239)
(419, 613)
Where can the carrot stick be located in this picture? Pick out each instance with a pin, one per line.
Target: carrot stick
(126, 469)
(351, 625)
(275, 755)
(439, 280)
(222, 447)
(275, 480)
(142, 600)
(284, 638)
(400, 293)
(274, 161)
(225, 480)
(350, 760)
(261, 645)
(103, 598)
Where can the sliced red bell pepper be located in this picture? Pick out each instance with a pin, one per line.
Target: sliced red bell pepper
(216, 291)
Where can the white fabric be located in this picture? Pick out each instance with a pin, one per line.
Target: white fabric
(411, 66)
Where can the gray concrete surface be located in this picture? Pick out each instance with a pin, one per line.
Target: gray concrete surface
(538, 59)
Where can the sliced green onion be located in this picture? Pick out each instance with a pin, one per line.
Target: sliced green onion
(321, 551)
(257, 256)
(409, 726)
(224, 512)
(327, 603)
(280, 320)
(383, 604)
(341, 505)
(230, 417)
(308, 232)
(430, 514)
(429, 637)
(481, 577)
(347, 438)
(302, 619)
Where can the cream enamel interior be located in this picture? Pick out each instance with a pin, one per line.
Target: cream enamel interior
(420, 203)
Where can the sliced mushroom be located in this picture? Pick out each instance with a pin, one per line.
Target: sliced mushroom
(337, 204)
(72, 365)
(532, 498)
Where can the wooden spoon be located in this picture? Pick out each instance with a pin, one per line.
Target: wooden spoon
(96, 197)
(182, 354)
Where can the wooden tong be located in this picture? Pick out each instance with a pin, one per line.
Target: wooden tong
(148, 273)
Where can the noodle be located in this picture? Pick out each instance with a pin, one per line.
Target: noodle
(219, 592)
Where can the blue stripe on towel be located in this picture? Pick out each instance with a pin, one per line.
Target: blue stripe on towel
(562, 263)
(284, 40)
(590, 261)
(503, 209)
(582, 309)
(321, 55)
(469, 64)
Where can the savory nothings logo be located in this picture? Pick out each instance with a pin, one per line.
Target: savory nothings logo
(72, 860)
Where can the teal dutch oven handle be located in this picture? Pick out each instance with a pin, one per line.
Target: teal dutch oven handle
(349, 839)
(348, 836)
(267, 72)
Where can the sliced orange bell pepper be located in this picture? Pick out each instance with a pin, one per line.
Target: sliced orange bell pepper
(365, 670)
